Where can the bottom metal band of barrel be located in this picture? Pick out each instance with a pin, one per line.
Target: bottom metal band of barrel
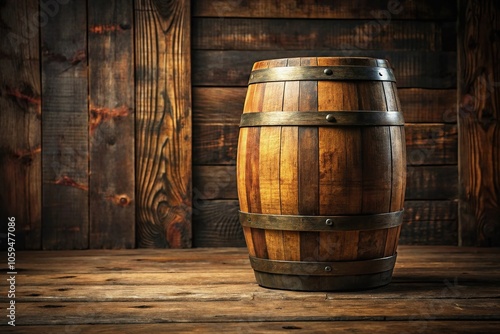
(323, 276)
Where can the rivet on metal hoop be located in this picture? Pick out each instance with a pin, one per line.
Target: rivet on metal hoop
(330, 118)
(329, 222)
(328, 268)
(328, 71)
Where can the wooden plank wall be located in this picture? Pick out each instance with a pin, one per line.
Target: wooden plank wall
(95, 114)
(163, 127)
(111, 124)
(20, 126)
(95, 100)
(479, 121)
(65, 139)
(418, 38)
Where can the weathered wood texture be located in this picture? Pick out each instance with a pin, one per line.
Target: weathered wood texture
(413, 69)
(434, 289)
(234, 33)
(20, 113)
(457, 326)
(418, 37)
(225, 105)
(84, 68)
(364, 9)
(163, 123)
(111, 128)
(419, 40)
(479, 114)
(65, 151)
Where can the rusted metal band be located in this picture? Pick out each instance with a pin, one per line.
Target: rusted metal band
(313, 73)
(321, 223)
(322, 118)
(341, 268)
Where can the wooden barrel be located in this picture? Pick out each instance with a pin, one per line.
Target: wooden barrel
(321, 173)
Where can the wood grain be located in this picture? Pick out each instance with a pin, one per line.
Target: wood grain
(65, 134)
(480, 309)
(429, 105)
(432, 182)
(214, 182)
(457, 326)
(430, 222)
(307, 34)
(413, 69)
(479, 113)
(308, 164)
(111, 128)
(224, 105)
(289, 168)
(20, 138)
(218, 105)
(427, 144)
(203, 291)
(216, 224)
(215, 144)
(366, 9)
(163, 123)
(434, 289)
(431, 144)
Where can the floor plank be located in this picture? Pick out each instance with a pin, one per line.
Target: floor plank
(310, 327)
(45, 313)
(247, 291)
(434, 289)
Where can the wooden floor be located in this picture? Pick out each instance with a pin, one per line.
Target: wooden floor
(434, 290)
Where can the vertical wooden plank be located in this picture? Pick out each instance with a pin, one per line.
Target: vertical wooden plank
(341, 171)
(371, 96)
(289, 169)
(308, 165)
(163, 123)
(252, 170)
(65, 128)
(20, 141)
(340, 187)
(258, 239)
(377, 169)
(376, 187)
(111, 129)
(247, 232)
(398, 184)
(288, 175)
(478, 119)
(241, 167)
(269, 178)
(269, 184)
(253, 103)
(270, 142)
(391, 98)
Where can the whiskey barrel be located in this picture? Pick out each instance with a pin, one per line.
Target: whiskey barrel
(321, 173)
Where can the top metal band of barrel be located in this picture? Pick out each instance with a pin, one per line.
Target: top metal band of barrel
(338, 73)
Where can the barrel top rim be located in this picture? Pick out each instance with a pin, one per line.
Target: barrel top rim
(322, 61)
(322, 57)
